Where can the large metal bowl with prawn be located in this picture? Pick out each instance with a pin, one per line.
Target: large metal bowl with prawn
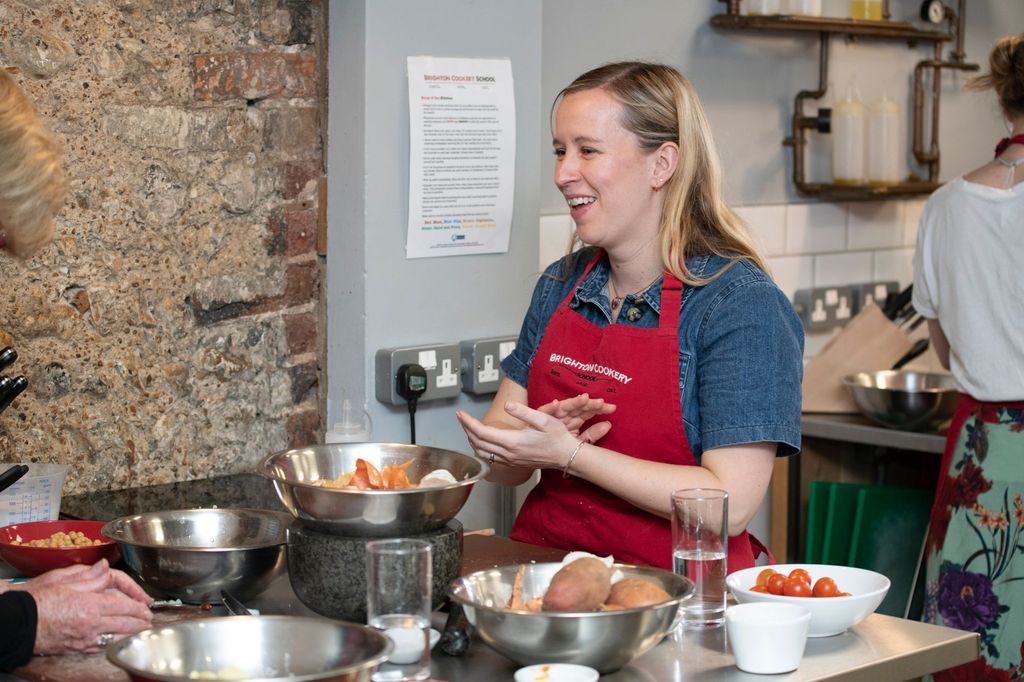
(298, 477)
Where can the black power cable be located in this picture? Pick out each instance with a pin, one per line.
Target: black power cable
(411, 383)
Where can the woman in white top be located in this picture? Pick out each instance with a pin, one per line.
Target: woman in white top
(969, 284)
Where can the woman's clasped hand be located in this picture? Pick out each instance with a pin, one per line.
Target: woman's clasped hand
(551, 435)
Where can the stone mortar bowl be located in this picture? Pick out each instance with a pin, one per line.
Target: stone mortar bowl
(328, 572)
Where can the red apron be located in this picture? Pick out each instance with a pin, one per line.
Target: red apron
(636, 369)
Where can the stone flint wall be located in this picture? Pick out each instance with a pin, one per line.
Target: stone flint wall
(174, 330)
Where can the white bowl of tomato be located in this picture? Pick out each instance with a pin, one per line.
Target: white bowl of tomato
(838, 597)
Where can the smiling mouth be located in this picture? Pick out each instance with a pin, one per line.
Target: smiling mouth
(580, 201)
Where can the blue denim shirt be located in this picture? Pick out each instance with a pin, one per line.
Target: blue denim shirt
(740, 347)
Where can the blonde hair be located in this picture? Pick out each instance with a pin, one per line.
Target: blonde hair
(32, 182)
(660, 105)
(1006, 74)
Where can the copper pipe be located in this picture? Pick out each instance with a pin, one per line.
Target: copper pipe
(886, 14)
(958, 54)
(801, 123)
(733, 7)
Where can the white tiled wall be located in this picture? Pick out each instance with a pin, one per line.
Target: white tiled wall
(808, 245)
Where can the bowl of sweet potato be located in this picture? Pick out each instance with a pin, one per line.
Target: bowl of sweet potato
(582, 611)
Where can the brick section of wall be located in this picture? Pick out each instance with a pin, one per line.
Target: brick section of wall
(301, 330)
(297, 177)
(303, 428)
(301, 231)
(185, 251)
(254, 75)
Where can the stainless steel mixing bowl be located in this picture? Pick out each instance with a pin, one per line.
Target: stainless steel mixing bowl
(902, 399)
(253, 648)
(605, 640)
(370, 513)
(193, 554)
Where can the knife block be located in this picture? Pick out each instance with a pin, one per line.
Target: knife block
(870, 342)
(328, 572)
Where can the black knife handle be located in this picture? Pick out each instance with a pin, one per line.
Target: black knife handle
(7, 357)
(919, 347)
(18, 385)
(894, 303)
(8, 477)
(455, 638)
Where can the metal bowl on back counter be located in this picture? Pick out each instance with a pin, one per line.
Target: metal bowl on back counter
(371, 513)
(903, 399)
(193, 554)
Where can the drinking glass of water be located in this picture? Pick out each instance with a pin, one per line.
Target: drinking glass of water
(700, 543)
(398, 602)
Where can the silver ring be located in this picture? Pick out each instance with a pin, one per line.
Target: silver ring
(490, 459)
(104, 639)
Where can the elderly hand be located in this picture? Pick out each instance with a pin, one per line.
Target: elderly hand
(78, 604)
(575, 412)
(545, 442)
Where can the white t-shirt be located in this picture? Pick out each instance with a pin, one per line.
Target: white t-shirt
(969, 274)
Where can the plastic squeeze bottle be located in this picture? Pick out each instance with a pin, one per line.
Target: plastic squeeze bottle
(762, 6)
(809, 8)
(848, 139)
(883, 142)
(866, 9)
(350, 429)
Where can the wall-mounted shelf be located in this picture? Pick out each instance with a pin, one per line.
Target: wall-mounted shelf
(889, 30)
(867, 192)
(825, 28)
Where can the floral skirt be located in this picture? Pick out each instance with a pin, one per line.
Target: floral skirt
(975, 544)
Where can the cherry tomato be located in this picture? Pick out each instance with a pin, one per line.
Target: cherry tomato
(825, 587)
(842, 594)
(796, 587)
(762, 577)
(776, 583)
(800, 574)
(759, 588)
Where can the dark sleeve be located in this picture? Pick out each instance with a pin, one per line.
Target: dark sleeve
(18, 618)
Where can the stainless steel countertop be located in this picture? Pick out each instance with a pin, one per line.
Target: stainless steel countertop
(879, 649)
(853, 428)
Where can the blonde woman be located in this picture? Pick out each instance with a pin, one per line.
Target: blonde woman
(968, 285)
(80, 608)
(661, 355)
(32, 184)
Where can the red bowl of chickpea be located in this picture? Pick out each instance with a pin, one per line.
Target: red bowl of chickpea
(39, 546)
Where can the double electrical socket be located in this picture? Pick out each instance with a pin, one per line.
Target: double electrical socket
(481, 363)
(472, 366)
(823, 308)
(440, 360)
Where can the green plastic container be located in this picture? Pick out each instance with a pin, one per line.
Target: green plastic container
(888, 530)
(841, 515)
(817, 521)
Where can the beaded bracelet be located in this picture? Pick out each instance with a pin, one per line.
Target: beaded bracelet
(565, 469)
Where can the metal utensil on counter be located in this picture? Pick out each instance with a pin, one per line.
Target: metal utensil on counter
(8, 477)
(234, 607)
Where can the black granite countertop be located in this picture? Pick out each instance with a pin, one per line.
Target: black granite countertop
(235, 490)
